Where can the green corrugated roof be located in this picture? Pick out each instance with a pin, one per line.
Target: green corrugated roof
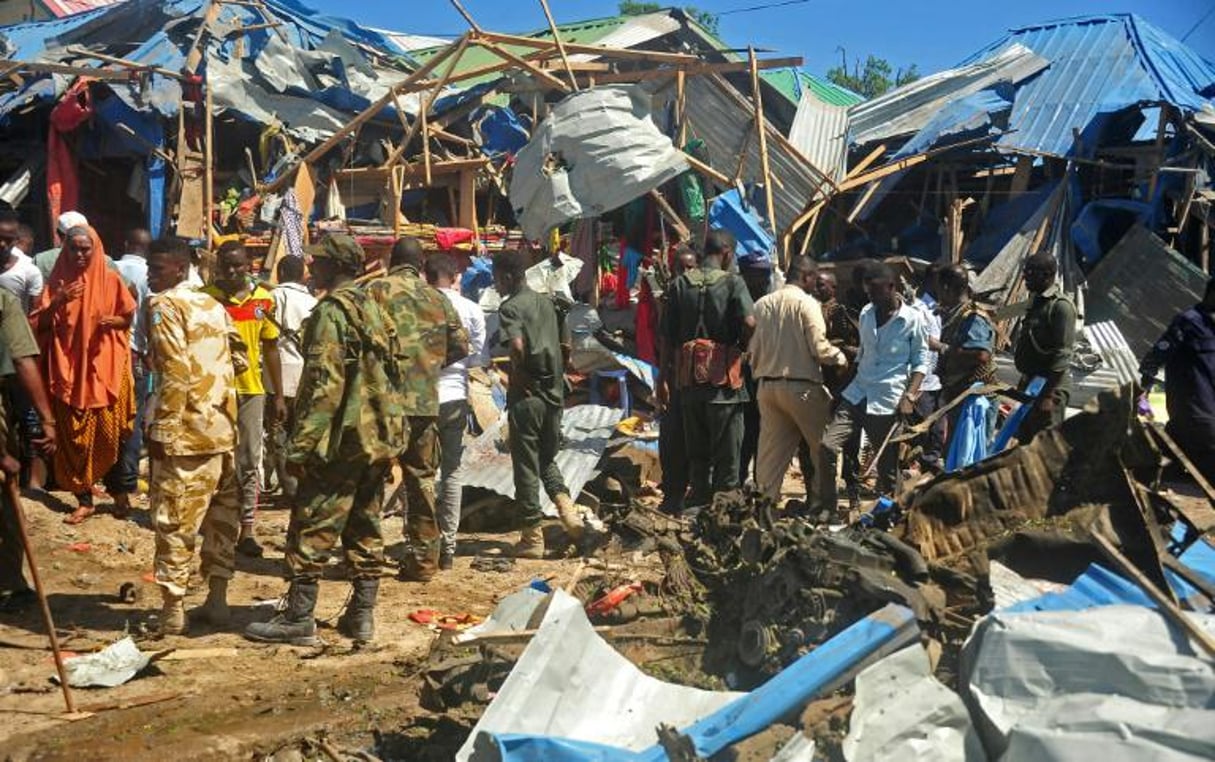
(792, 82)
(581, 32)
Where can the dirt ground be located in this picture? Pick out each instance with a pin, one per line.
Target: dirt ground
(218, 696)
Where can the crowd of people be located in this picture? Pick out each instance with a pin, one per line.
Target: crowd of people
(324, 383)
(752, 376)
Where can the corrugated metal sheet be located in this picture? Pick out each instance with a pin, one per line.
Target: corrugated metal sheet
(1141, 285)
(638, 30)
(820, 132)
(724, 119)
(1116, 355)
(794, 83)
(62, 8)
(585, 429)
(411, 42)
(1098, 65)
(905, 110)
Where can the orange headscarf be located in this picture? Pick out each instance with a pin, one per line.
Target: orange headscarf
(85, 362)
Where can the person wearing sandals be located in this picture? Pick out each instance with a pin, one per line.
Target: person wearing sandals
(82, 322)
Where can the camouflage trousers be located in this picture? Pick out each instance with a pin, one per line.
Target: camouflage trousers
(190, 493)
(338, 501)
(419, 465)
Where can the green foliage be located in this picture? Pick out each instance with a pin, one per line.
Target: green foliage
(876, 77)
(706, 19)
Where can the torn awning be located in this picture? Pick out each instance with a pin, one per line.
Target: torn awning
(598, 150)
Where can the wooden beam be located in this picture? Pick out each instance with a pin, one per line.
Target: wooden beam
(38, 67)
(1167, 607)
(628, 77)
(472, 23)
(593, 50)
(123, 62)
(252, 28)
(708, 171)
(209, 165)
(864, 163)
(369, 112)
(902, 164)
(665, 209)
(1161, 125)
(762, 129)
(195, 55)
(529, 67)
(426, 104)
(565, 60)
(681, 111)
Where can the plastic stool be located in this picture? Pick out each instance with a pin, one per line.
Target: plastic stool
(622, 385)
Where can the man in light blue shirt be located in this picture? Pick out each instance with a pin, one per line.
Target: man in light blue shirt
(891, 366)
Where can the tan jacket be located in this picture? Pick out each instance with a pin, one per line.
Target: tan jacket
(190, 337)
(790, 338)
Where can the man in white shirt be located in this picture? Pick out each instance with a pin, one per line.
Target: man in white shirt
(453, 402)
(932, 442)
(892, 363)
(18, 273)
(133, 267)
(293, 303)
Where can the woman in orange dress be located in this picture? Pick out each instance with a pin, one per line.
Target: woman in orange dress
(82, 321)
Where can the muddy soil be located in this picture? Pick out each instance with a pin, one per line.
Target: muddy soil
(217, 696)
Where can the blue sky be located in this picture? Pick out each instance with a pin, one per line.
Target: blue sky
(930, 33)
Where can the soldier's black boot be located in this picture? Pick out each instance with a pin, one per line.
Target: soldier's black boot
(295, 625)
(358, 621)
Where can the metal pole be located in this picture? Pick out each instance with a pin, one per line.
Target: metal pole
(14, 496)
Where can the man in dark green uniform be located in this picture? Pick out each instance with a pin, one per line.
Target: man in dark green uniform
(539, 348)
(18, 356)
(349, 427)
(431, 336)
(1044, 348)
(711, 305)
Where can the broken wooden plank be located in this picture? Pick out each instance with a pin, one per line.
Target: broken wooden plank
(594, 50)
(628, 77)
(1167, 607)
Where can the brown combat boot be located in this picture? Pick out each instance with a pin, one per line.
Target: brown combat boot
(418, 569)
(571, 517)
(172, 614)
(531, 543)
(214, 610)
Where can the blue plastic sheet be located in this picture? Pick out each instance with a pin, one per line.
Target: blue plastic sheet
(885, 630)
(968, 443)
(730, 212)
(502, 132)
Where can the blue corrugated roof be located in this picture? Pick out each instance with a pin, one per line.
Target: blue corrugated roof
(1099, 65)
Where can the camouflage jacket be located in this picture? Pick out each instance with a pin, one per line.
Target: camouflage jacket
(430, 332)
(191, 340)
(348, 407)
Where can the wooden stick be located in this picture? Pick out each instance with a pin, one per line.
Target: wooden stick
(427, 102)
(524, 64)
(14, 497)
(905, 163)
(762, 129)
(467, 16)
(593, 50)
(209, 160)
(195, 55)
(1167, 607)
(681, 111)
(366, 114)
(86, 53)
(672, 217)
(427, 179)
(1185, 461)
(707, 171)
(864, 163)
(552, 25)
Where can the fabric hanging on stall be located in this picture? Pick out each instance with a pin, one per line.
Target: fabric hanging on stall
(582, 247)
(447, 239)
(291, 220)
(646, 329)
(622, 276)
(62, 182)
(334, 208)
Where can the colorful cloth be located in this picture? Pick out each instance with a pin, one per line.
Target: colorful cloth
(252, 317)
(85, 363)
(90, 440)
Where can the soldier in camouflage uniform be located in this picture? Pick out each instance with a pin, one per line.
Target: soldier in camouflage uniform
(192, 438)
(432, 335)
(349, 427)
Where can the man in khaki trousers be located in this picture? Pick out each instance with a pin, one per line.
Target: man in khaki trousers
(788, 352)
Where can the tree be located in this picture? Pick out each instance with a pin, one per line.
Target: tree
(706, 19)
(876, 77)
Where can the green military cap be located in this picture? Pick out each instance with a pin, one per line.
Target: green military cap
(342, 249)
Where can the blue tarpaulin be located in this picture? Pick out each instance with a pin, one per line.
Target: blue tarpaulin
(729, 212)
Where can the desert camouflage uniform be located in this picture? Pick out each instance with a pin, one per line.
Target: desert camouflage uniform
(431, 336)
(349, 427)
(191, 340)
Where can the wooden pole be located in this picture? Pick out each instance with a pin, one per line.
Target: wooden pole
(426, 103)
(524, 64)
(548, 14)
(209, 162)
(14, 496)
(681, 112)
(1167, 607)
(467, 16)
(761, 129)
